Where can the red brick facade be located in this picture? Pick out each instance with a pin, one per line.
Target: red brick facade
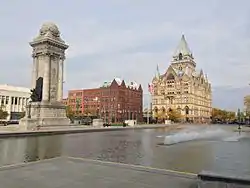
(65, 101)
(114, 103)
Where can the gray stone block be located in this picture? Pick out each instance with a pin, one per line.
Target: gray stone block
(76, 173)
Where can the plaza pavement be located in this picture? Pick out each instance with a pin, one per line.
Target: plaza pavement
(64, 172)
(71, 172)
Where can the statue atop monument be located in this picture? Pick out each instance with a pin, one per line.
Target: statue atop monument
(49, 30)
(47, 79)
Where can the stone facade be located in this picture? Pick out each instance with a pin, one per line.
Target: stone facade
(247, 104)
(183, 88)
(14, 100)
(48, 62)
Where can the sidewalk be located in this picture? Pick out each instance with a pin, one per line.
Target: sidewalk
(71, 172)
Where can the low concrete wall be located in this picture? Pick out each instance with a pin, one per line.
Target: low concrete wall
(97, 122)
(72, 131)
(131, 123)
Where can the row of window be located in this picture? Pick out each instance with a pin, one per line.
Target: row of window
(183, 100)
(107, 99)
(98, 106)
(105, 93)
(5, 100)
(172, 92)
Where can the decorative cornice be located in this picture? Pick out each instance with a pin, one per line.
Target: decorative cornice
(49, 41)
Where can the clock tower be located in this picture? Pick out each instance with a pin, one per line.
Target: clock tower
(182, 89)
(183, 57)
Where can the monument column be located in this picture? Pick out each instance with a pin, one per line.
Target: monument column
(60, 80)
(47, 80)
(34, 71)
(46, 77)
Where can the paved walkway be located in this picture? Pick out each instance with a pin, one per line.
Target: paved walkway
(77, 173)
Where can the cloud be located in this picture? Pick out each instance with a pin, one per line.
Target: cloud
(229, 98)
(110, 40)
(129, 38)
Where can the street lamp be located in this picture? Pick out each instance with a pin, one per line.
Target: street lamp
(180, 74)
(29, 110)
(77, 104)
(149, 108)
(77, 108)
(239, 119)
(96, 99)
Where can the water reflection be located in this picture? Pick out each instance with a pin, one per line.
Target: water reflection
(12, 151)
(133, 147)
(38, 148)
(147, 148)
(29, 149)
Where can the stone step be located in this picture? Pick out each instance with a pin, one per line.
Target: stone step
(208, 179)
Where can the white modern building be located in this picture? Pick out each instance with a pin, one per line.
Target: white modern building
(13, 100)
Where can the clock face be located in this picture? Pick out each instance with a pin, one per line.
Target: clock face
(180, 73)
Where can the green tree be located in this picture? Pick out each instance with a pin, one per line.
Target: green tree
(222, 115)
(174, 115)
(21, 115)
(3, 114)
(69, 113)
(162, 115)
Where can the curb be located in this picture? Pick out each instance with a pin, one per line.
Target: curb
(72, 131)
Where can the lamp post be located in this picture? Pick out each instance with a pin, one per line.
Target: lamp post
(77, 107)
(29, 111)
(151, 90)
(180, 74)
(96, 99)
(239, 119)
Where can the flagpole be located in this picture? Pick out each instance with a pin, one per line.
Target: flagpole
(150, 91)
(148, 109)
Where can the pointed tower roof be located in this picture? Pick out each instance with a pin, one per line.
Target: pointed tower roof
(157, 72)
(183, 47)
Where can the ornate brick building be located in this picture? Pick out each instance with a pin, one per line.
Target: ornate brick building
(183, 88)
(247, 104)
(114, 101)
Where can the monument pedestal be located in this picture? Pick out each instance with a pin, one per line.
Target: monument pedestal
(42, 114)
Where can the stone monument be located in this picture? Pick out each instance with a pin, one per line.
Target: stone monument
(46, 108)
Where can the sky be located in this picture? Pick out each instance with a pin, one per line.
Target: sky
(128, 38)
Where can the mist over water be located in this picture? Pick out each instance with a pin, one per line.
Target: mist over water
(194, 133)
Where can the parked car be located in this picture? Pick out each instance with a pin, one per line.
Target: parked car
(3, 123)
(86, 121)
(106, 124)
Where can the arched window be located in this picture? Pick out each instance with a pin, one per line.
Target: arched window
(163, 110)
(187, 110)
(179, 109)
(170, 77)
(180, 56)
(156, 109)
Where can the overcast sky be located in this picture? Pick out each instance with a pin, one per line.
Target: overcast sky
(128, 38)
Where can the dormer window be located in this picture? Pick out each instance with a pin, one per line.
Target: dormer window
(180, 56)
(170, 77)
